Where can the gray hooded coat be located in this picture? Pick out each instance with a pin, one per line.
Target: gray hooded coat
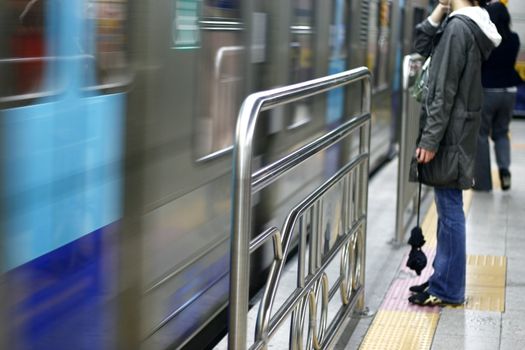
(451, 113)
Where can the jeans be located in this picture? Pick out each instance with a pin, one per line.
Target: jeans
(495, 119)
(448, 280)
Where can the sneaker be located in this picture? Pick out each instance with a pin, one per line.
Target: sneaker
(419, 288)
(504, 176)
(425, 299)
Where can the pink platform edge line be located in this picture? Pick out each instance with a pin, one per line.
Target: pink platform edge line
(396, 298)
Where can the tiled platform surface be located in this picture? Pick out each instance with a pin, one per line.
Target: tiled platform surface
(495, 227)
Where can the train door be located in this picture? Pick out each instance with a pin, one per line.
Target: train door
(399, 38)
(297, 51)
(302, 59)
(414, 11)
(61, 135)
(339, 21)
(191, 74)
(357, 47)
(340, 18)
(405, 16)
(379, 53)
(222, 79)
(337, 62)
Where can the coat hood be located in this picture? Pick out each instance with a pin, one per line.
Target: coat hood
(484, 30)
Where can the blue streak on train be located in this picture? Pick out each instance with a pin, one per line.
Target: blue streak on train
(62, 188)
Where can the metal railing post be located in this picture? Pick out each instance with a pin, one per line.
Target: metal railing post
(241, 222)
(364, 146)
(409, 130)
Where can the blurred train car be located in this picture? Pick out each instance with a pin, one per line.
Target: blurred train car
(117, 120)
(62, 123)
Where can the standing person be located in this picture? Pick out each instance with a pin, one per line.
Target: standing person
(500, 81)
(450, 120)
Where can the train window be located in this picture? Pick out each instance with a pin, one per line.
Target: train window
(338, 30)
(338, 58)
(379, 42)
(32, 33)
(223, 9)
(109, 17)
(221, 77)
(383, 44)
(301, 65)
(23, 58)
(418, 17)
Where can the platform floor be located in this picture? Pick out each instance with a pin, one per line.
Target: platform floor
(494, 316)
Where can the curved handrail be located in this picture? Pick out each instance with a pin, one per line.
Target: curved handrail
(249, 113)
(288, 229)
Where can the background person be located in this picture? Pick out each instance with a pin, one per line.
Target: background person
(500, 81)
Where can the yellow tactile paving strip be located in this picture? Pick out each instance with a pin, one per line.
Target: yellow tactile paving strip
(486, 279)
(496, 183)
(486, 275)
(486, 270)
(467, 200)
(401, 330)
(429, 226)
(407, 330)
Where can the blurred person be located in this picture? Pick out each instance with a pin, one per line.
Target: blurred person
(500, 81)
(450, 119)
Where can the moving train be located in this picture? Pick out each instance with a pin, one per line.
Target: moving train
(117, 120)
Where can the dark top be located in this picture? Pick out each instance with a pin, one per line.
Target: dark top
(451, 114)
(498, 71)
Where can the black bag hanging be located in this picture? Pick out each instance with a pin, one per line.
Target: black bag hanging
(417, 260)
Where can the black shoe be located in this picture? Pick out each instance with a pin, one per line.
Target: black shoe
(504, 176)
(427, 299)
(419, 288)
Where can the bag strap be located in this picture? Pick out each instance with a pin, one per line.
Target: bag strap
(419, 192)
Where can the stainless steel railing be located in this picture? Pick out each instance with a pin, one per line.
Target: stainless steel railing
(407, 191)
(352, 177)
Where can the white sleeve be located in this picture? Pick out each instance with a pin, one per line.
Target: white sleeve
(434, 24)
